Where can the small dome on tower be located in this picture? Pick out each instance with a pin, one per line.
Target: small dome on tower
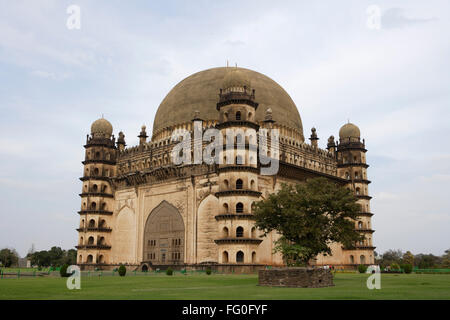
(349, 130)
(101, 128)
(235, 78)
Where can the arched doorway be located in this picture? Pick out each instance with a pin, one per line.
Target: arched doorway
(163, 225)
(239, 257)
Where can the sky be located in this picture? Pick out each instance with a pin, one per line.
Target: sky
(385, 69)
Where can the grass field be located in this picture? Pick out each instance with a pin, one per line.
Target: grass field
(201, 286)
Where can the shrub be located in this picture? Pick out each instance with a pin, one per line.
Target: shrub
(122, 270)
(63, 271)
(362, 268)
(169, 271)
(208, 271)
(407, 268)
(395, 266)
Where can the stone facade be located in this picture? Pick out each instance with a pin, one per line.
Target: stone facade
(141, 209)
(296, 277)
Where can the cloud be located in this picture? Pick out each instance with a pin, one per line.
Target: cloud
(396, 18)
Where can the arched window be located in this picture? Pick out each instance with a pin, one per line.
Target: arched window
(80, 259)
(239, 184)
(225, 257)
(239, 232)
(362, 259)
(239, 207)
(249, 116)
(225, 183)
(239, 139)
(93, 206)
(239, 257)
(352, 259)
(81, 241)
(357, 191)
(253, 257)
(104, 206)
(101, 241)
(82, 223)
(253, 232)
(239, 160)
(102, 224)
(252, 184)
(238, 116)
(101, 259)
(91, 240)
(225, 208)
(97, 155)
(225, 232)
(92, 223)
(90, 258)
(360, 225)
(96, 172)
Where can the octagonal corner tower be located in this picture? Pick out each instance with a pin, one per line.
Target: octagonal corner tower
(200, 92)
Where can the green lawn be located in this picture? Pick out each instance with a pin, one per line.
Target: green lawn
(201, 286)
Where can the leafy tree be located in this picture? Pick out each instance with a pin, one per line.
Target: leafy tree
(446, 259)
(9, 257)
(408, 258)
(309, 217)
(169, 271)
(407, 268)
(395, 266)
(53, 257)
(426, 261)
(56, 256)
(390, 257)
(362, 268)
(63, 271)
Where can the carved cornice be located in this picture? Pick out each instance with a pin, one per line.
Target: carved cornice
(93, 246)
(238, 192)
(88, 229)
(362, 196)
(365, 214)
(237, 123)
(352, 164)
(111, 162)
(239, 168)
(96, 194)
(235, 216)
(238, 241)
(100, 212)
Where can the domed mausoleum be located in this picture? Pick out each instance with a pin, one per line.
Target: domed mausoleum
(163, 203)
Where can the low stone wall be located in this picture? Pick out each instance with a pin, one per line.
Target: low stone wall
(296, 277)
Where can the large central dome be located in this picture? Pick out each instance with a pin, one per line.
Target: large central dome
(200, 92)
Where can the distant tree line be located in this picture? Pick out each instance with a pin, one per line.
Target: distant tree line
(8, 257)
(55, 257)
(422, 261)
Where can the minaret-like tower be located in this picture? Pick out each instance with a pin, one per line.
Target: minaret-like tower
(94, 240)
(351, 157)
(238, 174)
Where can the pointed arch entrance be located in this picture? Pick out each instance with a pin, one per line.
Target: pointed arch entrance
(164, 236)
